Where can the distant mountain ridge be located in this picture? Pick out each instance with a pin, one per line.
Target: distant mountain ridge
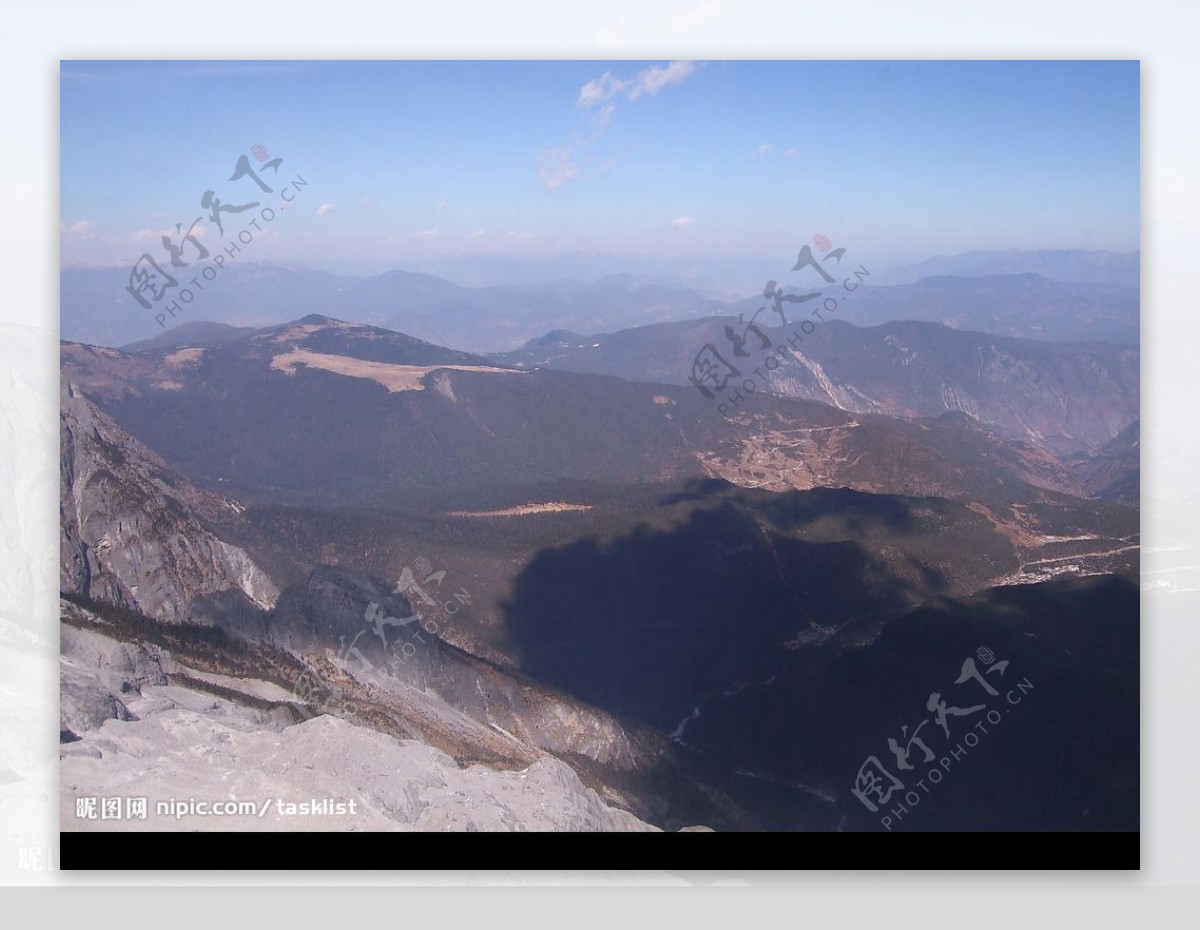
(1025, 305)
(95, 308)
(1044, 295)
(1071, 265)
(1070, 397)
(368, 412)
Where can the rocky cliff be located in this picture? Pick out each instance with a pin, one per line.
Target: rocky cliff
(132, 531)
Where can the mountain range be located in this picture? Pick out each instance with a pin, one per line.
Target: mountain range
(703, 619)
(1066, 397)
(1028, 306)
(1022, 298)
(1070, 265)
(97, 309)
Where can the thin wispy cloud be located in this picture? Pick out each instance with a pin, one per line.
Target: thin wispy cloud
(426, 234)
(80, 229)
(647, 82)
(84, 242)
(654, 79)
(791, 152)
(680, 221)
(556, 166)
(175, 233)
(325, 209)
(512, 235)
(764, 150)
(599, 90)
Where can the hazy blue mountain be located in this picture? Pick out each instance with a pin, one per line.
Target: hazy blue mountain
(1057, 265)
(726, 277)
(96, 309)
(1031, 302)
(1029, 306)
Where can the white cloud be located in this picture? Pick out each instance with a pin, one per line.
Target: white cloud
(763, 150)
(477, 234)
(791, 152)
(80, 229)
(427, 234)
(680, 221)
(647, 82)
(654, 78)
(197, 230)
(440, 205)
(556, 167)
(325, 209)
(598, 90)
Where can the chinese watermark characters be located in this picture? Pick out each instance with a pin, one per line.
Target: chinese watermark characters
(714, 373)
(152, 279)
(875, 784)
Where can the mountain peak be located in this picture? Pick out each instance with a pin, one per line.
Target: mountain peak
(556, 337)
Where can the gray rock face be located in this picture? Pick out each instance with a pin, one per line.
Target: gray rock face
(133, 531)
(141, 737)
(330, 607)
(1066, 397)
(98, 675)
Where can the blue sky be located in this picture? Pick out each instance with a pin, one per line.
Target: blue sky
(411, 160)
